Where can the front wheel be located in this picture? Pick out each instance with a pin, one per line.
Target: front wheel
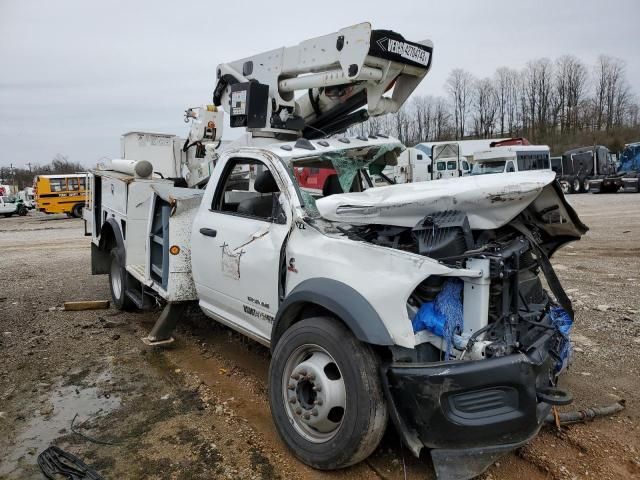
(325, 394)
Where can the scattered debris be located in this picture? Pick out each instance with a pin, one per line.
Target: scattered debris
(55, 462)
(584, 415)
(86, 305)
(603, 308)
(74, 429)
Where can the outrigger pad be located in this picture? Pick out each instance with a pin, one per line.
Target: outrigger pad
(55, 462)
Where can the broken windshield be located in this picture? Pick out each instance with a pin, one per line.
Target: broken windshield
(340, 171)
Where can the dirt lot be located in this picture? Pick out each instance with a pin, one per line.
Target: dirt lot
(199, 408)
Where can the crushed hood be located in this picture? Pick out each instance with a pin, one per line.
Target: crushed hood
(490, 202)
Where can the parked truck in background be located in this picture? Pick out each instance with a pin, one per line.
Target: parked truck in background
(443, 161)
(417, 303)
(508, 159)
(10, 206)
(584, 169)
(625, 177)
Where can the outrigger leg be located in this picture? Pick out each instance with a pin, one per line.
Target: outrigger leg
(161, 332)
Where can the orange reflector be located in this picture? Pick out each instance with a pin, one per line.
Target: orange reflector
(174, 250)
(211, 125)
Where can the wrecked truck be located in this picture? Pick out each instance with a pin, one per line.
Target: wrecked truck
(417, 304)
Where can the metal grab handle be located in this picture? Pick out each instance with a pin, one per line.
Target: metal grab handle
(208, 232)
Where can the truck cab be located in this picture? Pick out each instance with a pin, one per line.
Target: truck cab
(511, 159)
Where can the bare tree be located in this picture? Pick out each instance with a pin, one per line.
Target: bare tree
(570, 90)
(459, 85)
(485, 107)
(506, 86)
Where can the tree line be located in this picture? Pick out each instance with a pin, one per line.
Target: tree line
(23, 177)
(560, 103)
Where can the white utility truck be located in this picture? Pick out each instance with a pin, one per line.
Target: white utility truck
(12, 206)
(508, 159)
(418, 303)
(415, 165)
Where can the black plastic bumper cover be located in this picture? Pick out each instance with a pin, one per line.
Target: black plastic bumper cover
(478, 410)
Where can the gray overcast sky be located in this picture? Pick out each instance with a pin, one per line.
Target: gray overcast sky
(75, 74)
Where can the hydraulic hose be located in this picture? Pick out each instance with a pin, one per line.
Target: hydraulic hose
(586, 414)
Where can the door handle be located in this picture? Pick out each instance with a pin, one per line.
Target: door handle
(208, 232)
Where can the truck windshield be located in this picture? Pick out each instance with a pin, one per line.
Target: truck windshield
(343, 171)
(482, 168)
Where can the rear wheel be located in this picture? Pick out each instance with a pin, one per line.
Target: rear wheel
(118, 281)
(77, 210)
(325, 394)
(585, 185)
(575, 185)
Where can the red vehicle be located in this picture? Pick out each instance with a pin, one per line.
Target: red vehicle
(510, 141)
(313, 178)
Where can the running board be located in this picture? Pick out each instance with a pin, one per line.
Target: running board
(161, 332)
(141, 300)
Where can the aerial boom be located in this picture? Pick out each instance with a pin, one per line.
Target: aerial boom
(341, 72)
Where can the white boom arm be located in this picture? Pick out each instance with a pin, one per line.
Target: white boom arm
(341, 72)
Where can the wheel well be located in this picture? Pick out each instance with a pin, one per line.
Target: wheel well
(297, 312)
(303, 310)
(101, 254)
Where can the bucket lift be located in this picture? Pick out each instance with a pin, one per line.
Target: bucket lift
(341, 72)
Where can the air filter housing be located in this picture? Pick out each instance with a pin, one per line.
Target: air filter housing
(443, 234)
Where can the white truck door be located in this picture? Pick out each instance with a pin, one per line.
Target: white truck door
(421, 165)
(236, 243)
(464, 168)
(6, 207)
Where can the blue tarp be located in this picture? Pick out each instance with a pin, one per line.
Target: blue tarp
(443, 316)
(563, 323)
(630, 158)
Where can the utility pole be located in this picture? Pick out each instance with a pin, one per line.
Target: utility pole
(29, 165)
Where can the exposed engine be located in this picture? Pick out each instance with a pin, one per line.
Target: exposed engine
(518, 308)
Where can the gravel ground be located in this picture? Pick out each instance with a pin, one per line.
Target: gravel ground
(199, 409)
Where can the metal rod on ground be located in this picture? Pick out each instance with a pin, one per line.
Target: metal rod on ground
(585, 414)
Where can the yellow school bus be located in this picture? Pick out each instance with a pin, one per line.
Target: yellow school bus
(61, 193)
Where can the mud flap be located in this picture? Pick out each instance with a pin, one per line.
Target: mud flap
(464, 464)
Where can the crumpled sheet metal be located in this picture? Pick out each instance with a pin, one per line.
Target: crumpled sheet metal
(490, 201)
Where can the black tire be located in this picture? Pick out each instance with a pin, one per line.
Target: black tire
(364, 417)
(22, 210)
(584, 185)
(575, 185)
(118, 281)
(77, 210)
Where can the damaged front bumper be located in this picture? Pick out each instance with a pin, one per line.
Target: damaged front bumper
(471, 412)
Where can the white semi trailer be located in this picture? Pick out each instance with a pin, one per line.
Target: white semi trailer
(419, 304)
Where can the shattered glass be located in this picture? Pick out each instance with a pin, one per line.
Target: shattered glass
(309, 203)
(346, 163)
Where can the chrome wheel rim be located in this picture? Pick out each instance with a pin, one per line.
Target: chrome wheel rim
(314, 393)
(116, 279)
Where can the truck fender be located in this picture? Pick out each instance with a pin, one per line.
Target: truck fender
(338, 298)
(101, 255)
